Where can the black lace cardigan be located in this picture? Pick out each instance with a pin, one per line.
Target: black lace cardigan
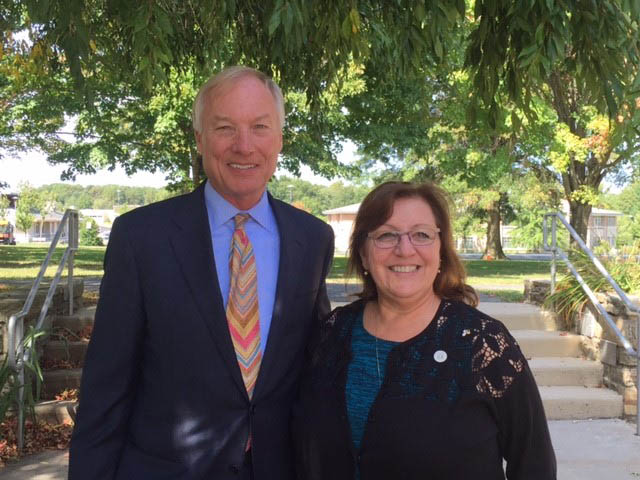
(432, 420)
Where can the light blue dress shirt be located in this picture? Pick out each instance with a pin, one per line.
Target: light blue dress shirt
(262, 230)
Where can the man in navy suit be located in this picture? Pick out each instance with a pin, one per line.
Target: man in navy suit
(162, 394)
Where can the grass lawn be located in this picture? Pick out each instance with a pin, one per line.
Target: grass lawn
(22, 262)
(501, 278)
(506, 272)
(480, 272)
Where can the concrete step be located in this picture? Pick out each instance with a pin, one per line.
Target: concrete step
(56, 411)
(515, 316)
(76, 322)
(59, 350)
(580, 403)
(538, 343)
(566, 371)
(519, 316)
(56, 381)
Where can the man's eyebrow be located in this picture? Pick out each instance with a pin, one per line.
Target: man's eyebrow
(222, 118)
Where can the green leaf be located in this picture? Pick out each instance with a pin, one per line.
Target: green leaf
(355, 20)
(515, 121)
(546, 63)
(450, 12)
(346, 27)
(164, 56)
(611, 103)
(288, 19)
(163, 22)
(140, 21)
(419, 12)
(559, 44)
(528, 51)
(438, 48)
(540, 34)
(274, 22)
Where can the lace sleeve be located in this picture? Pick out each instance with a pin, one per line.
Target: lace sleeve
(497, 360)
(501, 371)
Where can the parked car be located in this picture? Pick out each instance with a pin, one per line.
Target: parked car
(6, 233)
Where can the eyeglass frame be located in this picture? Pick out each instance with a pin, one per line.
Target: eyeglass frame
(399, 236)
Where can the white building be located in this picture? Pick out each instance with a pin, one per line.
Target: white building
(42, 229)
(341, 220)
(602, 228)
(104, 219)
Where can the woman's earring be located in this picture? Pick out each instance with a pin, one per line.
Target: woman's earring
(366, 273)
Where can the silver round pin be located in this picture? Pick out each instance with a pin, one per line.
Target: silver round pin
(440, 356)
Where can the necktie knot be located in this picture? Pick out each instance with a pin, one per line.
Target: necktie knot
(240, 219)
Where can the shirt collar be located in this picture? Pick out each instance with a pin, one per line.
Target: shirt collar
(221, 211)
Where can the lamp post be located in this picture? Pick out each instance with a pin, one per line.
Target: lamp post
(290, 187)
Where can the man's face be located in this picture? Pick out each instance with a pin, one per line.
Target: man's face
(240, 140)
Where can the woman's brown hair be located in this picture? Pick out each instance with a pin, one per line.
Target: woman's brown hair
(377, 208)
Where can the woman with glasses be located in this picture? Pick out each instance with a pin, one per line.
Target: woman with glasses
(412, 381)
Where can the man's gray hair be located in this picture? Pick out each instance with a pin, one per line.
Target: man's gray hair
(227, 77)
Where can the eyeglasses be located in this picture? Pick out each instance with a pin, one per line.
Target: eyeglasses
(418, 238)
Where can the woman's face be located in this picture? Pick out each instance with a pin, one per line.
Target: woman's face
(406, 272)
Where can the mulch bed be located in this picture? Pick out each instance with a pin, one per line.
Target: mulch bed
(59, 364)
(38, 437)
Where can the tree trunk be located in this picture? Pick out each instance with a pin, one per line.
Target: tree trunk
(493, 249)
(579, 219)
(196, 168)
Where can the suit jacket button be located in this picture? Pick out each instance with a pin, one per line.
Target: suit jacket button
(234, 469)
(252, 409)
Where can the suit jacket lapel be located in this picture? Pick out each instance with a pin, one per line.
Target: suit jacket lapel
(291, 255)
(191, 242)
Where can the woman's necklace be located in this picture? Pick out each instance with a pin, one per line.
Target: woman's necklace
(378, 361)
(375, 337)
(375, 322)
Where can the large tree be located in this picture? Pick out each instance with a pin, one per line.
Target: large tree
(571, 124)
(125, 70)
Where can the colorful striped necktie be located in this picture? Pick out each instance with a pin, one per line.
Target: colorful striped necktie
(242, 305)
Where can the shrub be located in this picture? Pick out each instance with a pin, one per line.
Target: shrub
(90, 233)
(10, 382)
(624, 268)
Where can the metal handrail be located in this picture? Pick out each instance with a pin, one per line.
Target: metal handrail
(18, 355)
(558, 252)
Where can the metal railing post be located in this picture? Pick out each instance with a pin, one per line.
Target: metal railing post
(20, 435)
(556, 252)
(18, 354)
(73, 245)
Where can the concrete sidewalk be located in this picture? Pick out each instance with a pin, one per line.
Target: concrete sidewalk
(586, 450)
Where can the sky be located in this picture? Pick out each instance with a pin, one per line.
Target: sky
(33, 167)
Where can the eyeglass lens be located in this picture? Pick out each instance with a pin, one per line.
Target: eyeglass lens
(390, 239)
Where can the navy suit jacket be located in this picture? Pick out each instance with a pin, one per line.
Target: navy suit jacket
(162, 395)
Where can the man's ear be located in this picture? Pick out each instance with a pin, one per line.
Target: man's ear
(198, 142)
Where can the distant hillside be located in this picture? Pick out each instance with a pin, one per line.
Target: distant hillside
(99, 196)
